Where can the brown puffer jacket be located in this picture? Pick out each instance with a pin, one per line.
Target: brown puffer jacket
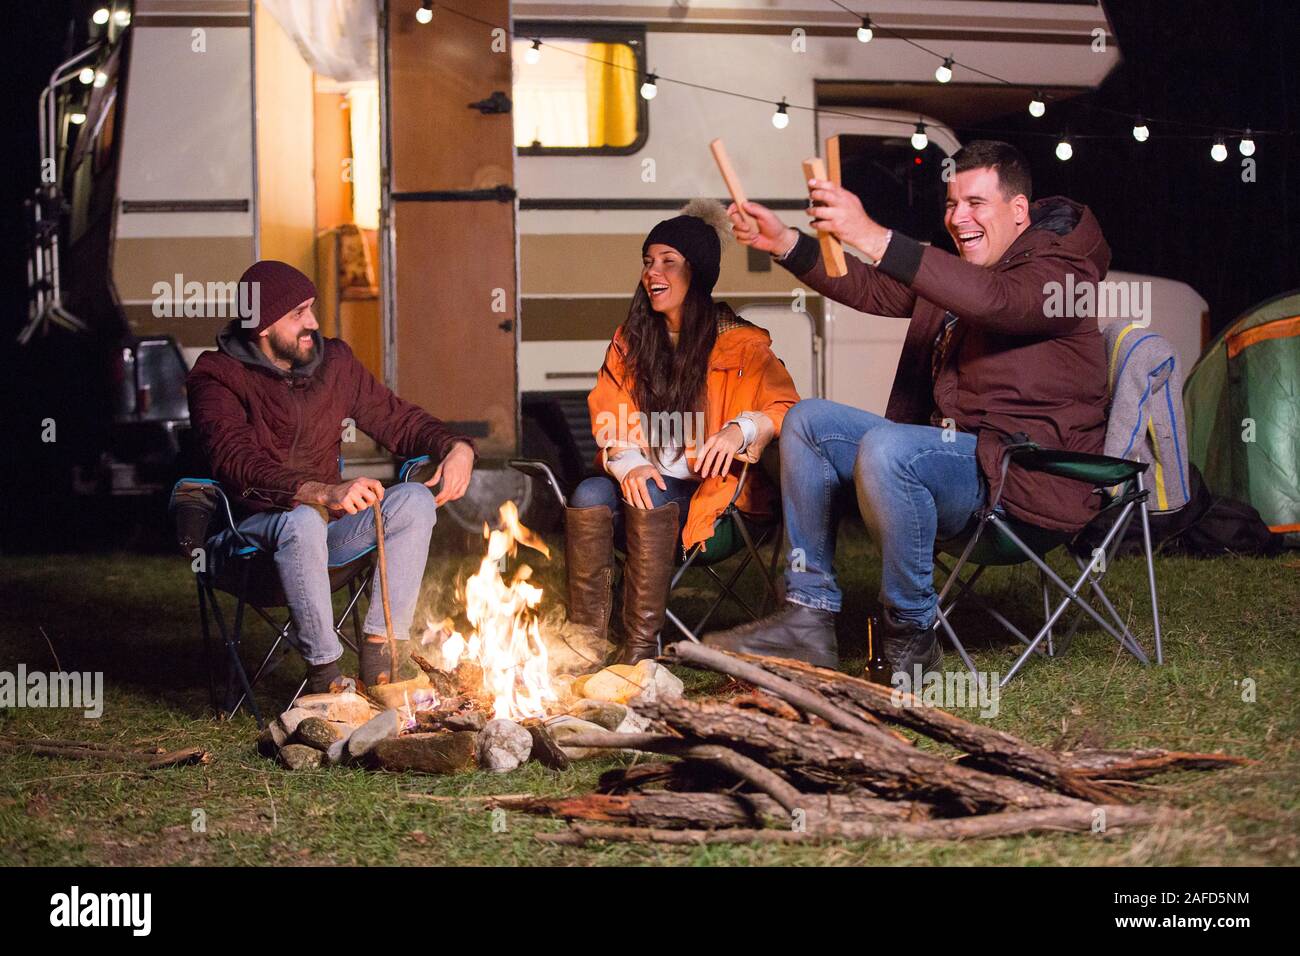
(266, 431)
(1012, 367)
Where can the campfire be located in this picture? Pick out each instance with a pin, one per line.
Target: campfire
(490, 697)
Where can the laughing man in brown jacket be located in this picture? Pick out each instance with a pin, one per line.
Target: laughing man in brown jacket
(983, 359)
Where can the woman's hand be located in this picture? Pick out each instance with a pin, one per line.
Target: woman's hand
(717, 453)
(766, 234)
(636, 486)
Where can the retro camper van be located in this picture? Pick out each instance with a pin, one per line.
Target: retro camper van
(469, 181)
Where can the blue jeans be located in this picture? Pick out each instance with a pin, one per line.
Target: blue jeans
(304, 548)
(603, 490)
(913, 483)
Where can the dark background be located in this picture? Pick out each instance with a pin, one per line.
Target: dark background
(1166, 208)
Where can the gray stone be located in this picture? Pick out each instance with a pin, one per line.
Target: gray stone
(291, 718)
(503, 745)
(316, 732)
(633, 723)
(299, 756)
(563, 727)
(470, 720)
(380, 727)
(271, 739)
(605, 713)
(427, 753)
(337, 753)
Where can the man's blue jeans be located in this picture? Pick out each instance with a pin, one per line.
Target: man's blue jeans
(914, 484)
(305, 548)
(603, 490)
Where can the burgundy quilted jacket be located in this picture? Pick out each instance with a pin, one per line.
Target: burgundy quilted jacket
(267, 431)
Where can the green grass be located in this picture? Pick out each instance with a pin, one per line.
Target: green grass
(134, 618)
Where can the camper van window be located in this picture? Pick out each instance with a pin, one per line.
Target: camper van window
(578, 95)
(902, 187)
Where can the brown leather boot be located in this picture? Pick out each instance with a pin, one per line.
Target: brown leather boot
(589, 562)
(651, 547)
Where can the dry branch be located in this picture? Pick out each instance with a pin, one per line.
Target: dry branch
(1137, 764)
(88, 750)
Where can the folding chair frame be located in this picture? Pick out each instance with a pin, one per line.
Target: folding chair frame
(1131, 496)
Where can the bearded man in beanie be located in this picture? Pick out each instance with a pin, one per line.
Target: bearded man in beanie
(270, 406)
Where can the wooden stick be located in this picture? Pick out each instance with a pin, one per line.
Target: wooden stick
(1078, 818)
(832, 248)
(383, 590)
(732, 180)
(807, 700)
(73, 750)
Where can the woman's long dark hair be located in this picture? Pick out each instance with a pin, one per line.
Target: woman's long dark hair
(667, 379)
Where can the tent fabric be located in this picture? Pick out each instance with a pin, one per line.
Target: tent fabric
(1243, 407)
(1146, 421)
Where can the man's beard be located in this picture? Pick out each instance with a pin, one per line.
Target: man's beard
(296, 355)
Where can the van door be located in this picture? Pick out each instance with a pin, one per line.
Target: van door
(451, 317)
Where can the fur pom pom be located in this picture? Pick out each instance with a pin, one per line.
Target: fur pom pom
(712, 212)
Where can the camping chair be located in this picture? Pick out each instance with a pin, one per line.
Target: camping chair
(734, 532)
(200, 508)
(994, 538)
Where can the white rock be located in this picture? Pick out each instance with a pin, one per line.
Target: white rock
(633, 723)
(377, 728)
(657, 681)
(564, 727)
(338, 750)
(503, 745)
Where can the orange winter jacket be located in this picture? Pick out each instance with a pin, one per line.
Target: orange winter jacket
(744, 376)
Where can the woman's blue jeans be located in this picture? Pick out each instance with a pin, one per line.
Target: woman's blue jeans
(603, 490)
(914, 483)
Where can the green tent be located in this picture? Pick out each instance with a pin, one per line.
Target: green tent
(1243, 412)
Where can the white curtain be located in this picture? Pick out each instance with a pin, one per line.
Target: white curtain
(363, 107)
(337, 38)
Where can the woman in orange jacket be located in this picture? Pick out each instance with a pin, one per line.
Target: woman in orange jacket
(686, 389)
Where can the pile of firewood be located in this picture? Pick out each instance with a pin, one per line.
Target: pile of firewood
(812, 754)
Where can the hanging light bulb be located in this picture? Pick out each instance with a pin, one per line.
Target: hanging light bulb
(1218, 152)
(100, 16)
(649, 90)
(101, 80)
(76, 119)
(781, 119)
(1140, 131)
(534, 52)
(425, 13)
(87, 76)
(1036, 106)
(865, 32)
(1247, 144)
(919, 139)
(944, 73)
(1064, 150)
(122, 18)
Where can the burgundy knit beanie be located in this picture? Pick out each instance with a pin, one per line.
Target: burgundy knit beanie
(270, 290)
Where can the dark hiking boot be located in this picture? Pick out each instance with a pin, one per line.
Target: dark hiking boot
(651, 548)
(802, 633)
(908, 647)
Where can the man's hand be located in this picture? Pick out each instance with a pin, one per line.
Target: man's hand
(717, 453)
(636, 488)
(454, 472)
(348, 497)
(770, 233)
(835, 210)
